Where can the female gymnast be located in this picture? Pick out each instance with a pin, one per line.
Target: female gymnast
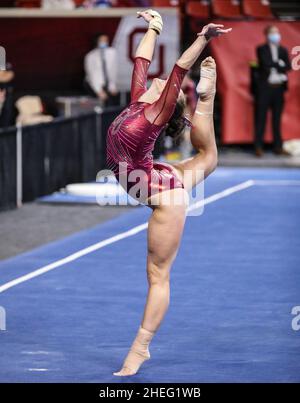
(162, 187)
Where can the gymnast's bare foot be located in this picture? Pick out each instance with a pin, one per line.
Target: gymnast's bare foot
(206, 87)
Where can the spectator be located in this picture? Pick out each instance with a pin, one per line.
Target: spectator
(6, 97)
(274, 63)
(101, 71)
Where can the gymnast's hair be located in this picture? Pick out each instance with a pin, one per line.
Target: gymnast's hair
(177, 123)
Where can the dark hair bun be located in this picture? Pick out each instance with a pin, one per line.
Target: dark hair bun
(176, 124)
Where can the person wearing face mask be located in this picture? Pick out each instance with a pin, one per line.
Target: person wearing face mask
(100, 66)
(274, 64)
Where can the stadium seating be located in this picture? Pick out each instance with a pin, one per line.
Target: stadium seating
(78, 3)
(226, 9)
(28, 3)
(165, 3)
(197, 11)
(257, 9)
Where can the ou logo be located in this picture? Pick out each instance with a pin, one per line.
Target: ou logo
(161, 52)
(296, 59)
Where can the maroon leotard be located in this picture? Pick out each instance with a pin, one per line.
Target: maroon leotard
(132, 134)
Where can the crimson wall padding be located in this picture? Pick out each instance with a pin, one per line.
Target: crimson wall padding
(233, 54)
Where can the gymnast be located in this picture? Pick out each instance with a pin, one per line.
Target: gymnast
(162, 187)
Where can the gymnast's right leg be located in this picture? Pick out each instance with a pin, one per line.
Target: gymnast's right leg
(164, 235)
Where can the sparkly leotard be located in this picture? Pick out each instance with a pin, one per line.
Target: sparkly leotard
(132, 135)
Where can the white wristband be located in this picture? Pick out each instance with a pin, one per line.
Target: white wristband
(156, 23)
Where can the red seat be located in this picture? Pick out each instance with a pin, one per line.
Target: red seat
(28, 3)
(198, 9)
(226, 9)
(257, 9)
(124, 3)
(165, 3)
(78, 3)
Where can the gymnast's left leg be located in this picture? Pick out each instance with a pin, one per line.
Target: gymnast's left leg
(164, 235)
(202, 133)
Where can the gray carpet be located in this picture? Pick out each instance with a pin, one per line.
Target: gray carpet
(35, 224)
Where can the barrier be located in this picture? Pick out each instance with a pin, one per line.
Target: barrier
(40, 159)
(8, 168)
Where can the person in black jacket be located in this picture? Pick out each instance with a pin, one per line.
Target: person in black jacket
(7, 108)
(274, 63)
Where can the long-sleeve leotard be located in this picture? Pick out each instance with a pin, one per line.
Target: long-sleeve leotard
(132, 135)
(161, 110)
(139, 78)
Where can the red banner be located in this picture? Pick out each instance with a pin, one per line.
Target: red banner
(233, 54)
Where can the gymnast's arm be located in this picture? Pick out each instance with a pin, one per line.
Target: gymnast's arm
(144, 54)
(189, 57)
(147, 44)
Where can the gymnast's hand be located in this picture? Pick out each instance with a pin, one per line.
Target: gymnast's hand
(213, 30)
(153, 18)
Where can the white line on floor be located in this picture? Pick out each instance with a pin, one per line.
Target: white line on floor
(116, 238)
(220, 195)
(278, 182)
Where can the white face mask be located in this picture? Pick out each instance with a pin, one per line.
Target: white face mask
(274, 38)
(103, 45)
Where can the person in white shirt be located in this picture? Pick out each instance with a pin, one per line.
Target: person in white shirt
(274, 63)
(100, 66)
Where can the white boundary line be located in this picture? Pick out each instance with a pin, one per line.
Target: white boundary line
(73, 257)
(278, 182)
(220, 195)
(116, 238)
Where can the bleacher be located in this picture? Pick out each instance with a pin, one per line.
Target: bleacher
(203, 9)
